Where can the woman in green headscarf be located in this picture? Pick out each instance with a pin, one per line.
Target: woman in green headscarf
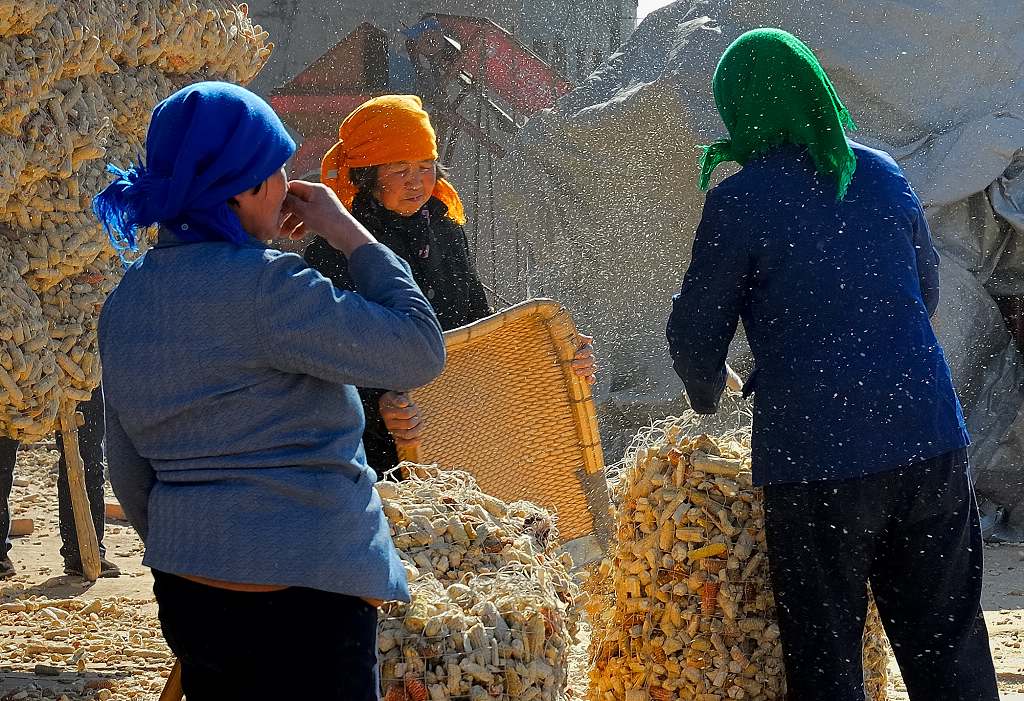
(821, 247)
(770, 90)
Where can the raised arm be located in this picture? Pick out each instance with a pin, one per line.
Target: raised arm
(383, 335)
(707, 309)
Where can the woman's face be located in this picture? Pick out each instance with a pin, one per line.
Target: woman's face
(404, 187)
(260, 210)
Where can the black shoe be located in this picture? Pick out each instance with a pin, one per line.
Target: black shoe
(107, 569)
(7, 568)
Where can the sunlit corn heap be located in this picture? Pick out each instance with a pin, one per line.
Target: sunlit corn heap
(78, 80)
(493, 610)
(688, 611)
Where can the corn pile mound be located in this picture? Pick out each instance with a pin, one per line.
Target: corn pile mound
(493, 611)
(690, 612)
(77, 83)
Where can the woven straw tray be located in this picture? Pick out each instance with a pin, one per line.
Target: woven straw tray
(510, 410)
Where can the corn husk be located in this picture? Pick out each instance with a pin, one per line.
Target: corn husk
(689, 613)
(79, 80)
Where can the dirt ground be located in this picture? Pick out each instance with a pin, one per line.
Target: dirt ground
(63, 639)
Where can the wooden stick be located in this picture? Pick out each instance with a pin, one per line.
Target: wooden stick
(172, 689)
(409, 453)
(88, 545)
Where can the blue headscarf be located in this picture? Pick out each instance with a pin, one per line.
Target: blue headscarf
(206, 143)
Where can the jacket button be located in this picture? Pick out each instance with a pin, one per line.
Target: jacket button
(430, 294)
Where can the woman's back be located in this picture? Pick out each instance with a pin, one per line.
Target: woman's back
(850, 267)
(835, 299)
(233, 380)
(193, 321)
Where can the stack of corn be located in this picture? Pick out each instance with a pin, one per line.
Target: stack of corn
(690, 612)
(493, 611)
(77, 83)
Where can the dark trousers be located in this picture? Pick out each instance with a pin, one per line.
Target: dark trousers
(90, 445)
(292, 644)
(914, 534)
(8, 457)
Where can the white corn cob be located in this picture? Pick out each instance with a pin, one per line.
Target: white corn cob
(493, 610)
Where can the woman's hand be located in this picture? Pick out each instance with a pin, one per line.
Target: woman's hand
(314, 207)
(584, 364)
(402, 419)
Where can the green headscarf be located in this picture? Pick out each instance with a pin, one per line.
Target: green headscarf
(771, 90)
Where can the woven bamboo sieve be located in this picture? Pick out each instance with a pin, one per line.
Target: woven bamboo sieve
(510, 410)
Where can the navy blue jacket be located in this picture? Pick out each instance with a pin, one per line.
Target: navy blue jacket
(836, 300)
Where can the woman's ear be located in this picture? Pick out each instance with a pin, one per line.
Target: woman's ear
(235, 202)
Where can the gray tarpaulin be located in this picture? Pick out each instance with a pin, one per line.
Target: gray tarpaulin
(603, 187)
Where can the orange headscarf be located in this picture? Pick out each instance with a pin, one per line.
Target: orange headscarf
(384, 130)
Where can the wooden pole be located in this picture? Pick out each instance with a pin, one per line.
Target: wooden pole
(88, 544)
(172, 689)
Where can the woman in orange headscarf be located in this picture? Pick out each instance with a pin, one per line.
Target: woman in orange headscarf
(384, 169)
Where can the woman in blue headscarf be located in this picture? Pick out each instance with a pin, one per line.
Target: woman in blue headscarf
(233, 423)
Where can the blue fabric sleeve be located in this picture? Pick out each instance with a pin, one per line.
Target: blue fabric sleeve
(927, 260)
(131, 476)
(384, 335)
(707, 309)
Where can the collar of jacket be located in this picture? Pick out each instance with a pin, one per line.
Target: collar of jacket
(166, 238)
(365, 205)
(397, 232)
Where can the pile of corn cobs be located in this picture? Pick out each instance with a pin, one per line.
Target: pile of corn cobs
(688, 611)
(78, 81)
(493, 610)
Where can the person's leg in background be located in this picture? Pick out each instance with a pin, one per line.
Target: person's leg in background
(8, 458)
(90, 445)
(927, 580)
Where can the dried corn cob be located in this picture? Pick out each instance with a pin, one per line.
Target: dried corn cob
(79, 80)
(22, 16)
(493, 606)
(689, 613)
